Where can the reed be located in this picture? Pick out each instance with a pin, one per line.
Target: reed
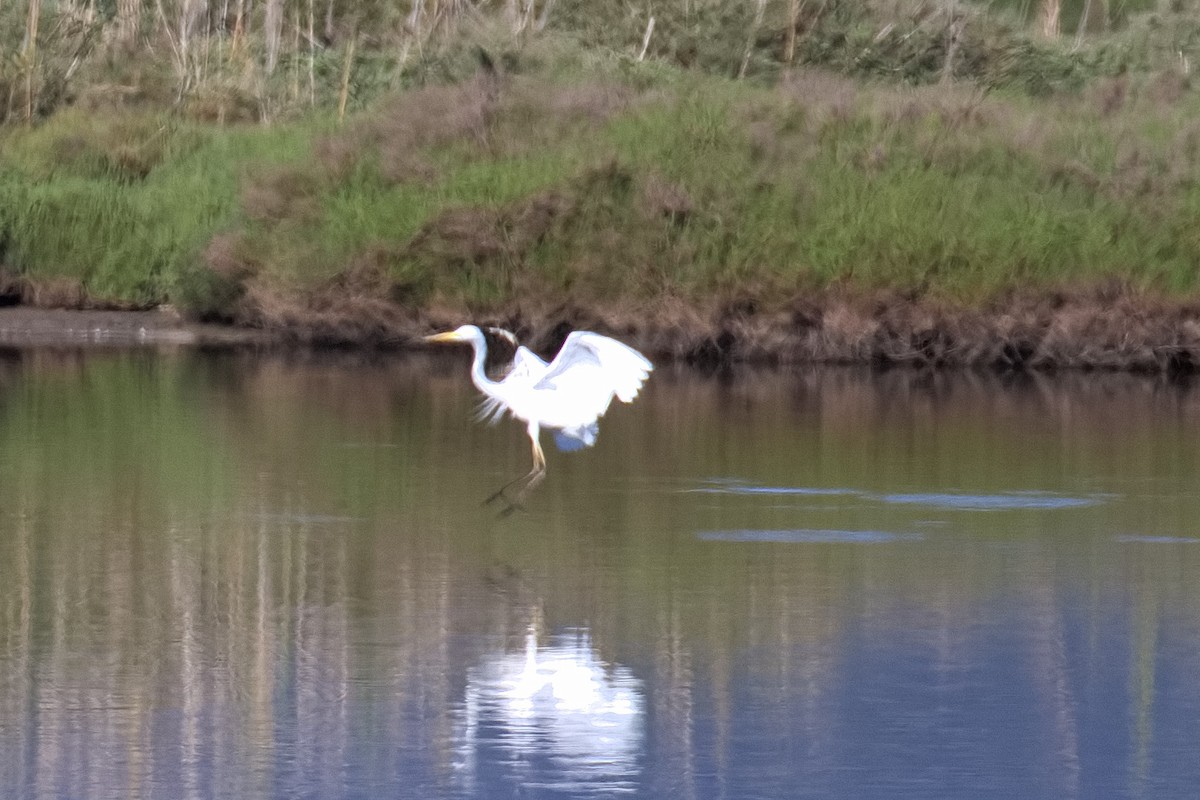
(214, 59)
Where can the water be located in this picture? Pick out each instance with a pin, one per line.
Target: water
(260, 577)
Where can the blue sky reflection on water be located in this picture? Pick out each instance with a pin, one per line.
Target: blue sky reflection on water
(913, 587)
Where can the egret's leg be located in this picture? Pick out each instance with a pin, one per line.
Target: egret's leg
(528, 481)
(538, 472)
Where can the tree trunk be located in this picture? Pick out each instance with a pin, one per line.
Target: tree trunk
(296, 25)
(186, 16)
(1050, 12)
(272, 31)
(239, 24)
(794, 8)
(312, 57)
(752, 37)
(646, 39)
(129, 18)
(31, 36)
(954, 31)
(344, 93)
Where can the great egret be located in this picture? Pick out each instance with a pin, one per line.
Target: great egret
(567, 395)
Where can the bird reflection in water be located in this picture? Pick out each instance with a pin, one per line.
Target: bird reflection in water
(555, 718)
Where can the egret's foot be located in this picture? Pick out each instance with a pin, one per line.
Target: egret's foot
(510, 505)
(502, 492)
(507, 511)
(525, 484)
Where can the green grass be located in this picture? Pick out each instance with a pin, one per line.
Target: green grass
(697, 187)
(127, 239)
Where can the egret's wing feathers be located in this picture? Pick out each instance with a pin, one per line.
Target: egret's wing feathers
(527, 364)
(568, 366)
(587, 373)
(622, 367)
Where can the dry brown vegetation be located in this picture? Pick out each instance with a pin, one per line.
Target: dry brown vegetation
(1112, 329)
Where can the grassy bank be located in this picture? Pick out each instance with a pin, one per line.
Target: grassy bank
(807, 214)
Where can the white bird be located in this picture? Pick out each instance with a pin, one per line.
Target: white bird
(567, 395)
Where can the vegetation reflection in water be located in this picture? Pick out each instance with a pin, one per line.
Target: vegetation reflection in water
(271, 577)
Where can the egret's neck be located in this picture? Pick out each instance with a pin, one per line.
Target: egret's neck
(478, 376)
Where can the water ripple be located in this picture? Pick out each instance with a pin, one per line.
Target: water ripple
(302, 518)
(987, 502)
(1144, 539)
(730, 486)
(963, 501)
(806, 536)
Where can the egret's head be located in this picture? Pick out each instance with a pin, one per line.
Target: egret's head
(464, 333)
(470, 333)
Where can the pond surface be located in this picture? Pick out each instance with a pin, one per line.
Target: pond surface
(259, 577)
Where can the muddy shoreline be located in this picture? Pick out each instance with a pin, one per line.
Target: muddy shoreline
(1120, 333)
(24, 326)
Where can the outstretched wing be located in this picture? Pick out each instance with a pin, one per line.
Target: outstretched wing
(590, 369)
